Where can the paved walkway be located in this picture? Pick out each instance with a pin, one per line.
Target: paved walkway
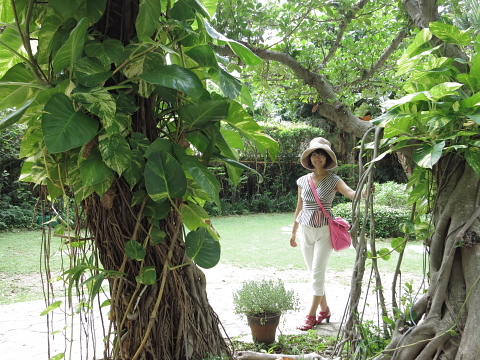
(23, 332)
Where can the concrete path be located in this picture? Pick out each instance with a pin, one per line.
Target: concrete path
(23, 332)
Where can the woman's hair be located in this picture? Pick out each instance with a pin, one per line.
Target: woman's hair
(321, 152)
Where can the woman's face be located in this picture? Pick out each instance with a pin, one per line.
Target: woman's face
(319, 158)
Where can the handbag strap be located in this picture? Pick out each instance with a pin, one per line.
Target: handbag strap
(315, 193)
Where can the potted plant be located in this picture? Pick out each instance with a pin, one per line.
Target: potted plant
(263, 302)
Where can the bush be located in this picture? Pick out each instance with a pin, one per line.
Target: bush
(264, 298)
(14, 217)
(391, 194)
(259, 203)
(387, 219)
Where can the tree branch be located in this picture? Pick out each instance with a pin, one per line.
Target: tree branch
(343, 27)
(367, 74)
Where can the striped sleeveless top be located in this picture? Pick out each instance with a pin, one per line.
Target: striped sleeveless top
(311, 213)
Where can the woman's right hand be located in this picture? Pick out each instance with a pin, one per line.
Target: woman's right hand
(293, 241)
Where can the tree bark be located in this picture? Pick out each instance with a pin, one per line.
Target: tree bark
(169, 320)
(450, 327)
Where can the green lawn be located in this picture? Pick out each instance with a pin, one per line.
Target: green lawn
(263, 240)
(260, 240)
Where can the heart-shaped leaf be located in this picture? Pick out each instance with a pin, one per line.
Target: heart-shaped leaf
(135, 250)
(202, 248)
(164, 177)
(63, 127)
(148, 275)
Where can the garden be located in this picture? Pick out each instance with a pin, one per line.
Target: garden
(149, 152)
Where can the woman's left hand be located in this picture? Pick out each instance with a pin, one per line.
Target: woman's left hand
(366, 191)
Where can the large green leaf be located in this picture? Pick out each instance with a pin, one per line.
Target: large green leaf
(72, 49)
(148, 17)
(46, 36)
(231, 86)
(63, 127)
(441, 90)
(135, 250)
(428, 155)
(473, 157)
(202, 248)
(8, 59)
(65, 8)
(16, 86)
(94, 171)
(91, 71)
(6, 12)
(98, 101)
(134, 171)
(240, 120)
(107, 52)
(91, 9)
(14, 116)
(155, 210)
(202, 175)
(451, 34)
(203, 55)
(164, 177)
(244, 53)
(194, 216)
(148, 275)
(175, 77)
(115, 152)
(200, 114)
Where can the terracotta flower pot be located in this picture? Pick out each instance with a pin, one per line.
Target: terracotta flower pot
(263, 330)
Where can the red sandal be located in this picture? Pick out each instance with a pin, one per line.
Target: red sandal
(310, 322)
(323, 315)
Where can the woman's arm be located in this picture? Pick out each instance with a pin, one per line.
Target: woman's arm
(348, 192)
(299, 208)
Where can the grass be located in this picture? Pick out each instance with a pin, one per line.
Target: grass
(260, 240)
(263, 240)
(20, 265)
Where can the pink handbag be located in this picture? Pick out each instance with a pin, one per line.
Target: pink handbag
(339, 234)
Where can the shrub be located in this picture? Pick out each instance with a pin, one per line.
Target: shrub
(14, 217)
(264, 298)
(387, 219)
(259, 203)
(391, 194)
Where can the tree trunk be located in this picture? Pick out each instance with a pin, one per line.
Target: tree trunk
(449, 329)
(169, 320)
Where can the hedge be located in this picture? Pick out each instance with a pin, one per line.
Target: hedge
(387, 219)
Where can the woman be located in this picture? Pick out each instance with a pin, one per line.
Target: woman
(315, 234)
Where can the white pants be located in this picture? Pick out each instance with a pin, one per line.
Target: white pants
(316, 248)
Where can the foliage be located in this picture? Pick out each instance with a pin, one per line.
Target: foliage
(264, 298)
(387, 219)
(440, 110)
(126, 119)
(334, 38)
(292, 139)
(259, 203)
(299, 344)
(391, 194)
(373, 340)
(15, 216)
